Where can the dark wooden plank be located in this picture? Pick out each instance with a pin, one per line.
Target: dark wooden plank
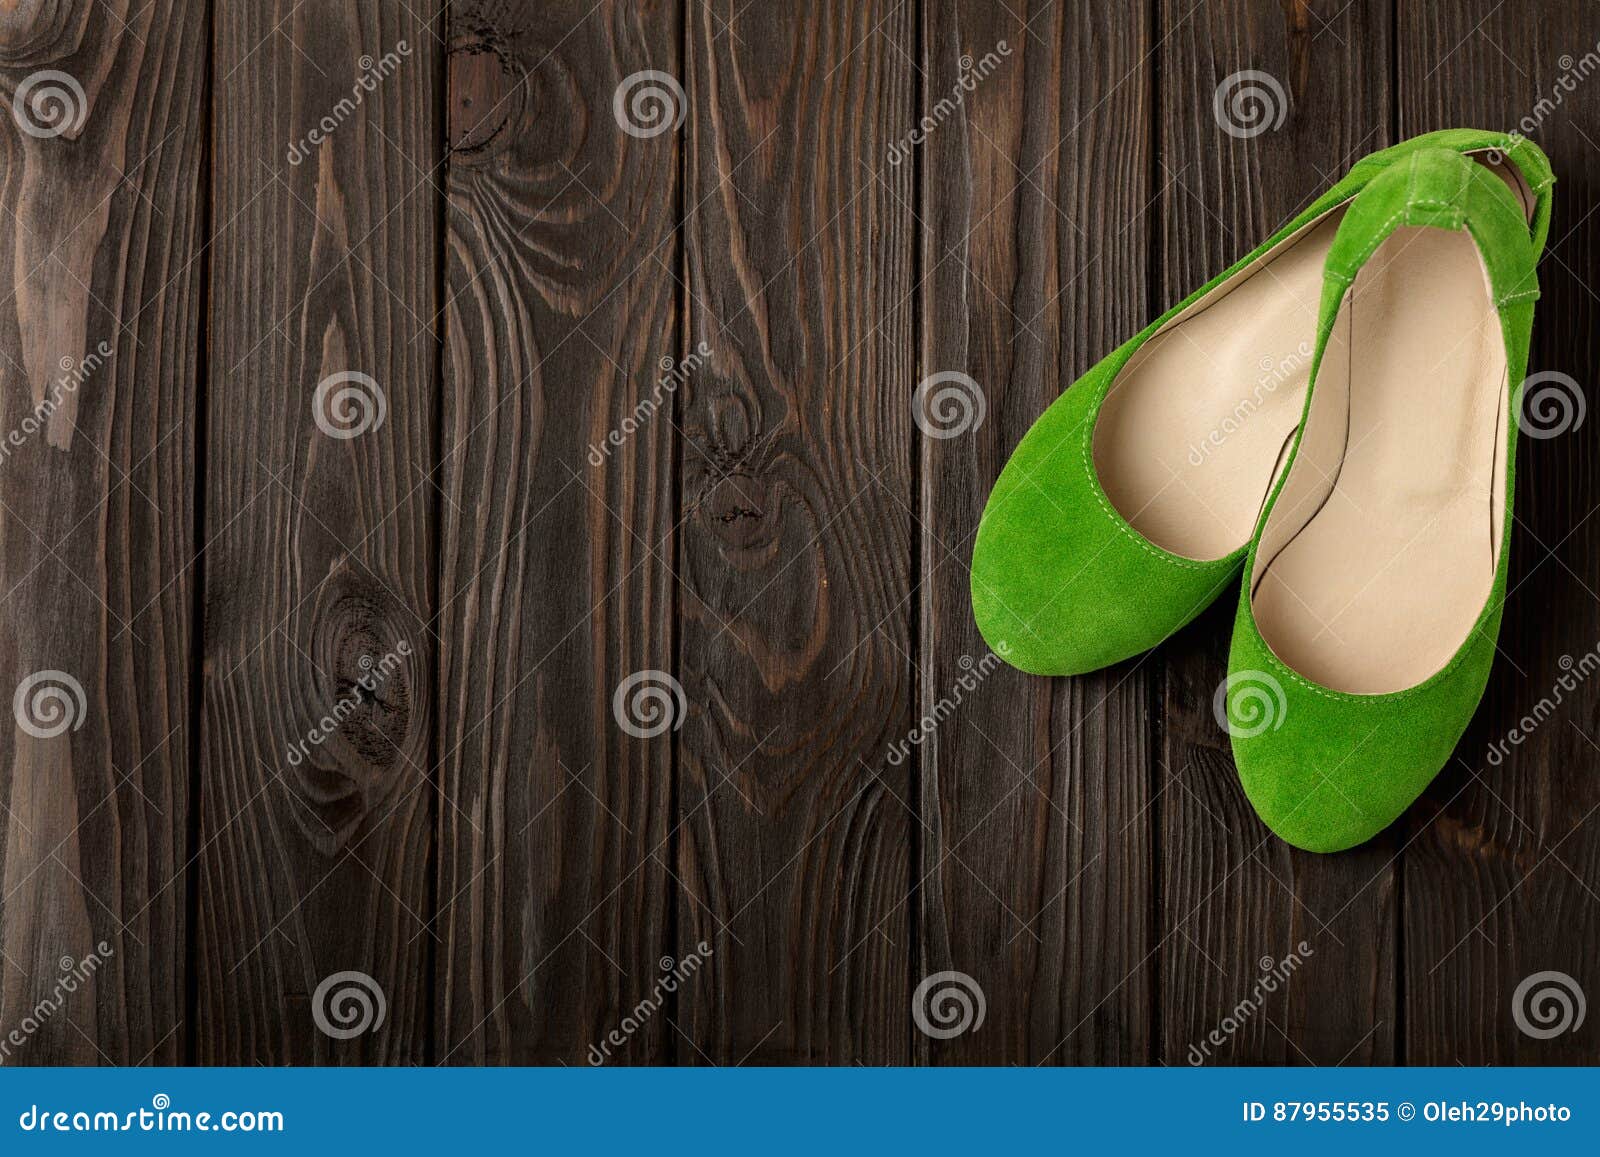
(1037, 857)
(796, 550)
(98, 352)
(556, 584)
(1504, 851)
(1236, 901)
(316, 858)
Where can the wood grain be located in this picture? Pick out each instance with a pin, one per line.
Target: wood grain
(1036, 855)
(99, 325)
(646, 290)
(556, 583)
(796, 551)
(1503, 853)
(1236, 901)
(321, 548)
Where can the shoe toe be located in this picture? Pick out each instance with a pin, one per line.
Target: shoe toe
(1305, 792)
(1327, 770)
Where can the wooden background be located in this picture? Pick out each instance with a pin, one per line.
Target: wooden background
(479, 836)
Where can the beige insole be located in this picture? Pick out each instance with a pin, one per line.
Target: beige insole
(1190, 434)
(1381, 586)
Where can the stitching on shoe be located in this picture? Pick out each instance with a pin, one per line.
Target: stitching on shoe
(1117, 520)
(1456, 660)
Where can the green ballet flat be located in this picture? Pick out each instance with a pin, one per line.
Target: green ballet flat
(1367, 622)
(1129, 505)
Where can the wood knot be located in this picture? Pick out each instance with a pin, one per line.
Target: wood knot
(508, 95)
(353, 746)
(486, 92)
(37, 32)
(734, 508)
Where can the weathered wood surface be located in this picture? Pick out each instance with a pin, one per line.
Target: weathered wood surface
(557, 579)
(795, 611)
(1036, 871)
(317, 857)
(496, 567)
(100, 359)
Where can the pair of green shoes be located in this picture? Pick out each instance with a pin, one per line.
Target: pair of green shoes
(1336, 416)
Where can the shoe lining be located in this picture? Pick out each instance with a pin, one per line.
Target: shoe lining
(1381, 551)
(1191, 431)
(1194, 430)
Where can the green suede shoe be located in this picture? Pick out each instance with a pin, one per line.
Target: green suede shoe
(1129, 505)
(1367, 622)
